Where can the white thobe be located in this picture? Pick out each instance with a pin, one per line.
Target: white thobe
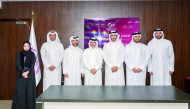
(135, 54)
(113, 55)
(161, 61)
(73, 65)
(52, 54)
(92, 59)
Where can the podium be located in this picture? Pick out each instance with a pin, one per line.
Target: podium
(114, 97)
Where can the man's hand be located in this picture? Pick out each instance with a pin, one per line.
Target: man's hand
(151, 73)
(66, 75)
(170, 72)
(83, 75)
(139, 70)
(135, 70)
(93, 71)
(51, 68)
(114, 69)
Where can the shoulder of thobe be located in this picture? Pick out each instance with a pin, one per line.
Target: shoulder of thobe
(44, 44)
(61, 46)
(80, 49)
(86, 51)
(44, 47)
(168, 41)
(101, 53)
(99, 49)
(58, 44)
(121, 45)
(107, 44)
(106, 47)
(145, 47)
(129, 46)
(149, 45)
(66, 51)
(142, 45)
(165, 42)
(126, 47)
(169, 44)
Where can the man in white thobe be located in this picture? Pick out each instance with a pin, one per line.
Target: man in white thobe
(73, 66)
(161, 64)
(92, 58)
(113, 55)
(135, 54)
(52, 56)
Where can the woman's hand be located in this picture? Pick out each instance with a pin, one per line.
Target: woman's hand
(25, 74)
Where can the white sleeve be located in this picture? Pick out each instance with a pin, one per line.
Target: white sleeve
(81, 64)
(105, 57)
(149, 57)
(44, 57)
(121, 58)
(65, 62)
(99, 61)
(171, 58)
(128, 62)
(60, 56)
(146, 61)
(85, 61)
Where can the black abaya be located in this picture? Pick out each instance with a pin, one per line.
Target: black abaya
(25, 88)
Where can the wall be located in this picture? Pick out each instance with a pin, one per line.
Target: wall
(67, 19)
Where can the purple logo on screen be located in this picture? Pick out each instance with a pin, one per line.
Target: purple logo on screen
(100, 28)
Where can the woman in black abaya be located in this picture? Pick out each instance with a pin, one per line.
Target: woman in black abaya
(25, 88)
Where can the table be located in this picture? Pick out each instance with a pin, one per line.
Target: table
(113, 97)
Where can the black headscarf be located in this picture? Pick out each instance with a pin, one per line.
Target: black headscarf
(28, 54)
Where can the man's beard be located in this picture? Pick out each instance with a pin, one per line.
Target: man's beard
(52, 39)
(136, 41)
(158, 37)
(113, 40)
(93, 46)
(75, 45)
